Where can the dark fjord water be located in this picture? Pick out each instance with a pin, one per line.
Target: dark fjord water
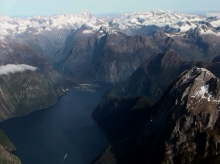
(63, 134)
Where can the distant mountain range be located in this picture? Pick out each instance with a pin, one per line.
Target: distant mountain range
(213, 14)
(48, 34)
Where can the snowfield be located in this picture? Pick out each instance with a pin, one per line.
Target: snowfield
(49, 33)
(36, 25)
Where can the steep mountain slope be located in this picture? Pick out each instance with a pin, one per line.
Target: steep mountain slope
(117, 114)
(105, 57)
(112, 55)
(27, 81)
(181, 128)
(5, 148)
(155, 74)
(25, 91)
(153, 77)
(44, 34)
(148, 84)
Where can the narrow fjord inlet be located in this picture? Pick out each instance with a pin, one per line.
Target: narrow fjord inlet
(63, 134)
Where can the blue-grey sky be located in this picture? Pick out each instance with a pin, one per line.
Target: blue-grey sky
(50, 7)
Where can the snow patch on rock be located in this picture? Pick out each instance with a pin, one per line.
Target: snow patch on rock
(203, 93)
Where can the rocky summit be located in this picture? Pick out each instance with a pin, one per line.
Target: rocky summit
(188, 117)
(182, 128)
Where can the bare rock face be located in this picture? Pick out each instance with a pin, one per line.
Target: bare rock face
(182, 128)
(184, 125)
(153, 77)
(112, 57)
(24, 92)
(6, 147)
(156, 74)
(194, 118)
(8, 158)
(103, 56)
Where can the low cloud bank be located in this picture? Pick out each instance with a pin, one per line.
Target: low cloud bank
(15, 68)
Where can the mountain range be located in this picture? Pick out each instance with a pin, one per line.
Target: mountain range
(140, 55)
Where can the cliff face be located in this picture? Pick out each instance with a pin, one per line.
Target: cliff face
(113, 56)
(104, 56)
(24, 92)
(27, 81)
(182, 128)
(6, 147)
(153, 77)
(188, 118)
(121, 117)
(158, 72)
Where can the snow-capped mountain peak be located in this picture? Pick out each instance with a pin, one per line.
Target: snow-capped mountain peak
(10, 26)
(159, 18)
(50, 32)
(39, 24)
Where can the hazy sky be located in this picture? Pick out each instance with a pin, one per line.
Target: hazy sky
(49, 7)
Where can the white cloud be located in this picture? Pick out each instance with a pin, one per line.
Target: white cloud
(14, 68)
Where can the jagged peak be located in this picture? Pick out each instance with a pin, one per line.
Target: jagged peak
(197, 86)
(196, 72)
(171, 23)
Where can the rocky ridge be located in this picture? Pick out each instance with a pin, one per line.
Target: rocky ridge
(6, 147)
(181, 128)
